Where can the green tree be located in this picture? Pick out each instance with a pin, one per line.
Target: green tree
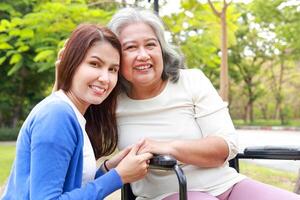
(28, 46)
(222, 16)
(248, 56)
(281, 19)
(196, 31)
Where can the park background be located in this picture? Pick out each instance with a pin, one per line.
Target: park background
(250, 50)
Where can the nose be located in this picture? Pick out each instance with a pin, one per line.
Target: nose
(104, 76)
(143, 55)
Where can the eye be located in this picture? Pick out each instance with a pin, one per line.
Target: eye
(151, 44)
(130, 47)
(114, 69)
(94, 64)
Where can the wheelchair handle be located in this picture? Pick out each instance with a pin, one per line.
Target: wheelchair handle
(182, 182)
(167, 162)
(163, 162)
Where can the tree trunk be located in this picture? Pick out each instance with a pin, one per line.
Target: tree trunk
(124, 3)
(249, 111)
(16, 115)
(224, 82)
(264, 111)
(1, 120)
(277, 110)
(297, 186)
(279, 113)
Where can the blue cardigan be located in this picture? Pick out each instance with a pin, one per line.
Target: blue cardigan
(49, 158)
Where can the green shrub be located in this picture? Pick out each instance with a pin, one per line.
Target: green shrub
(9, 134)
(267, 122)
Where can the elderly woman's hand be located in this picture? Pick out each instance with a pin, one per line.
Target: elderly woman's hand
(58, 59)
(156, 147)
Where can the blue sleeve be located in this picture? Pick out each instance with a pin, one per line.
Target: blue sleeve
(97, 189)
(99, 173)
(54, 140)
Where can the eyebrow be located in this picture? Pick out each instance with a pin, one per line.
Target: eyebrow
(150, 39)
(102, 62)
(99, 59)
(147, 40)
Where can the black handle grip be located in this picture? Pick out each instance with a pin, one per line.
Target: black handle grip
(272, 152)
(163, 161)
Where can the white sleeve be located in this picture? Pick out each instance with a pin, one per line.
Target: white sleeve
(211, 113)
(220, 124)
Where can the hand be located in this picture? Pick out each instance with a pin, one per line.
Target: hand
(116, 159)
(59, 55)
(133, 167)
(156, 147)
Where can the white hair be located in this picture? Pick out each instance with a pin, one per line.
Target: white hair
(172, 59)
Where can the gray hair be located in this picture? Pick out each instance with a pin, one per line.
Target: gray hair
(172, 59)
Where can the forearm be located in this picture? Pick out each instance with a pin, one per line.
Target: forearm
(211, 151)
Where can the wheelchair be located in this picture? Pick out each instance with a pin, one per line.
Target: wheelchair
(165, 162)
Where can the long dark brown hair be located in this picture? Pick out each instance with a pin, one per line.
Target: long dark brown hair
(101, 125)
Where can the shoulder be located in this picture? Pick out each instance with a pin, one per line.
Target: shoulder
(192, 74)
(193, 79)
(53, 107)
(53, 119)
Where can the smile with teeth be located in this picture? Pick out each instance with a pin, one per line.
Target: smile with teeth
(142, 67)
(98, 89)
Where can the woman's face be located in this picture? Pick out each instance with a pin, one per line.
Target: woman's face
(96, 76)
(142, 62)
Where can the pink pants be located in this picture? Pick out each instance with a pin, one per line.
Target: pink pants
(247, 189)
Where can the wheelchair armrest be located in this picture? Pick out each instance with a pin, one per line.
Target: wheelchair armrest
(271, 152)
(267, 152)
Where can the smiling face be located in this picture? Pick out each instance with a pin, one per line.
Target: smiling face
(142, 62)
(95, 77)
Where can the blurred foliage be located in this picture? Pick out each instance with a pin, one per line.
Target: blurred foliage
(263, 49)
(9, 134)
(31, 33)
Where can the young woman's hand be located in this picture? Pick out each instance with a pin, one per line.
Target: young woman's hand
(116, 159)
(133, 166)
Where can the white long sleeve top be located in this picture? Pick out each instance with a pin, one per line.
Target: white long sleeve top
(188, 109)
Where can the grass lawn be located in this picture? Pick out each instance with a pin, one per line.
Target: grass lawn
(7, 153)
(282, 179)
(279, 178)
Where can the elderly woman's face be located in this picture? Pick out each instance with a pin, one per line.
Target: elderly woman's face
(142, 62)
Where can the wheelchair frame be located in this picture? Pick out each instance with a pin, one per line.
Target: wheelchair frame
(169, 163)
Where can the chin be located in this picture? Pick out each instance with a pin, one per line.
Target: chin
(97, 102)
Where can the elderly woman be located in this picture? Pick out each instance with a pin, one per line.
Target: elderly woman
(178, 112)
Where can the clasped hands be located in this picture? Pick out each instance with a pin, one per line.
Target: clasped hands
(132, 163)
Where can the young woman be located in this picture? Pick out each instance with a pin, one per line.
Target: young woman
(66, 132)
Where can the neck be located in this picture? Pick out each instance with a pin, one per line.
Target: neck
(79, 105)
(146, 92)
